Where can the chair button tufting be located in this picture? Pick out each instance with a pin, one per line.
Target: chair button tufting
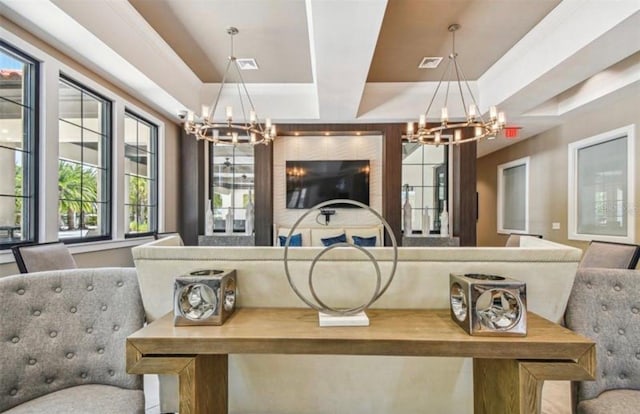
(73, 309)
(617, 288)
(101, 351)
(621, 331)
(120, 283)
(53, 334)
(90, 288)
(58, 289)
(89, 330)
(48, 380)
(104, 308)
(83, 375)
(596, 329)
(116, 328)
(36, 313)
(15, 339)
(111, 372)
(604, 307)
(32, 361)
(638, 355)
(588, 285)
(634, 310)
(13, 392)
(20, 291)
(609, 353)
(70, 355)
(622, 376)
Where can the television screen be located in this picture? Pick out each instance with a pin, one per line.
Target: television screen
(312, 182)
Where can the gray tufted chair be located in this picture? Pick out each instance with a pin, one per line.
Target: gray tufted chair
(605, 306)
(610, 255)
(62, 342)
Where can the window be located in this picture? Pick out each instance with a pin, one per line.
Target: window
(601, 171)
(141, 172)
(18, 157)
(231, 183)
(513, 196)
(425, 175)
(84, 166)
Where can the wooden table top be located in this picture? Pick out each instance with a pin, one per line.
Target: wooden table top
(402, 332)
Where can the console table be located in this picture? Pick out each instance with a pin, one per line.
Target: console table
(507, 372)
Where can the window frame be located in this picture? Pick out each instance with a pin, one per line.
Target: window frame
(107, 159)
(154, 148)
(526, 161)
(32, 145)
(627, 132)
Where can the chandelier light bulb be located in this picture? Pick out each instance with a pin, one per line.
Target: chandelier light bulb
(190, 116)
(473, 112)
(477, 131)
(252, 117)
(444, 115)
(205, 111)
(272, 131)
(229, 112)
(502, 118)
(410, 128)
(267, 124)
(253, 137)
(423, 121)
(493, 113)
(457, 135)
(437, 137)
(234, 138)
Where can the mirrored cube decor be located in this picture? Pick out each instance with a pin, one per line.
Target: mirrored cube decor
(204, 297)
(488, 305)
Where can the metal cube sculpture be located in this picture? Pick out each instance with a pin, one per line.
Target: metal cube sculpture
(204, 297)
(488, 305)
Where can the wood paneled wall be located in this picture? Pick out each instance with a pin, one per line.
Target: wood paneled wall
(464, 182)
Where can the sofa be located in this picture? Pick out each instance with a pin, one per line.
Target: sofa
(354, 384)
(312, 236)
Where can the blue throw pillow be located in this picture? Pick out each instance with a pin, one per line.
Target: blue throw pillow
(333, 240)
(364, 241)
(296, 240)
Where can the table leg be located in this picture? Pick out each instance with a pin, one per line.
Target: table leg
(508, 386)
(204, 385)
(500, 387)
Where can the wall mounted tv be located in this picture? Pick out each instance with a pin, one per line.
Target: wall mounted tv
(312, 182)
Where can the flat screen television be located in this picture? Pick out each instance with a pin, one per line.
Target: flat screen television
(312, 182)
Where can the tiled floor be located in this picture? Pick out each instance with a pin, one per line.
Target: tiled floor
(556, 396)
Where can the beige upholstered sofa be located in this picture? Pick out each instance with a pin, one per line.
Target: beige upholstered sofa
(362, 384)
(312, 236)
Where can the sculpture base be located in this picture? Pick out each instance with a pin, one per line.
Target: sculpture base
(359, 319)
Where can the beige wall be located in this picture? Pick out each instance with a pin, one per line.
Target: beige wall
(548, 167)
(122, 256)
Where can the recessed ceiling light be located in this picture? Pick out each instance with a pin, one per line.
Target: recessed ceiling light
(429, 62)
(247, 64)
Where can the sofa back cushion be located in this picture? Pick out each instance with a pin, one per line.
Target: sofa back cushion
(65, 328)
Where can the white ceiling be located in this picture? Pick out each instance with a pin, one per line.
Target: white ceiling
(326, 61)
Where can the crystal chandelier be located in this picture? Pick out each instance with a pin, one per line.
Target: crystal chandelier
(451, 132)
(247, 130)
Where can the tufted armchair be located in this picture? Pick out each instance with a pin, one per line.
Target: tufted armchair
(605, 306)
(62, 342)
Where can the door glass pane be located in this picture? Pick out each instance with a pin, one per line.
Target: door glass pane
(514, 197)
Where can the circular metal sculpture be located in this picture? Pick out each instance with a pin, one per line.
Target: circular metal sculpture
(317, 303)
